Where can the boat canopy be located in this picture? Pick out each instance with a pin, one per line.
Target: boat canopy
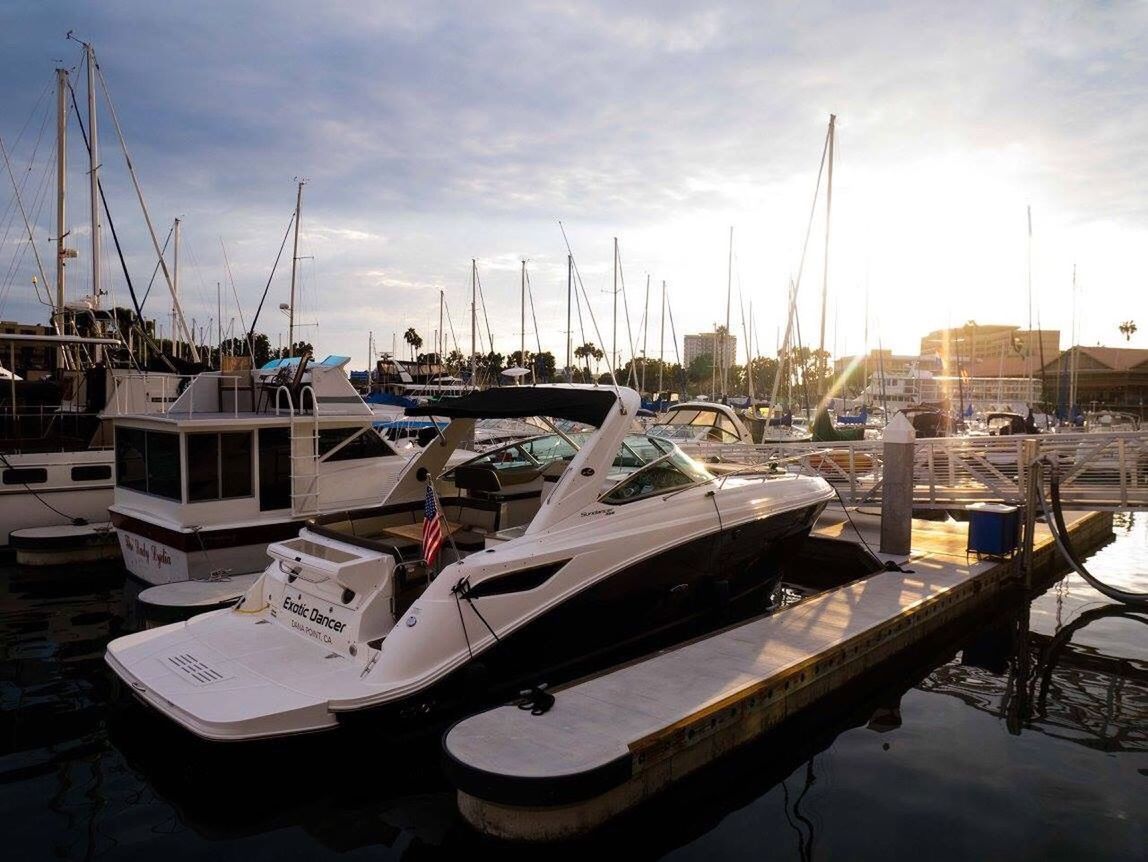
(590, 406)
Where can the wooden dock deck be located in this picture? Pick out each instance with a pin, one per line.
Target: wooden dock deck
(613, 740)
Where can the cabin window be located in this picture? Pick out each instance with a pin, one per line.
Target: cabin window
(163, 470)
(364, 443)
(91, 473)
(274, 468)
(202, 467)
(25, 476)
(669, 473)
(553, 447)
(148, 461)
(218, 466)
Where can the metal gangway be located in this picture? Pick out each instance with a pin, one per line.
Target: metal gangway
(1099, 471)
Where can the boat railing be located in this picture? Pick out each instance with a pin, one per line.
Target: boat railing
(304, 392)
(1099, 471)
(46, 428)
(206, 395)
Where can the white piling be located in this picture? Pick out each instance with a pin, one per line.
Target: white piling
(897, 486)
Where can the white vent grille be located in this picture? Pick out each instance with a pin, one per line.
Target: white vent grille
(194, 670)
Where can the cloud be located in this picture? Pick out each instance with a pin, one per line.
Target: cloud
(433, 134)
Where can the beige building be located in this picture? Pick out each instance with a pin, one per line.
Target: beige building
(991, 350)
(707, 344)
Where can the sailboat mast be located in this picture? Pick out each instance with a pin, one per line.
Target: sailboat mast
(828, 215)
(1072, 357)
(441, 334)
(662, 343)
(1028, 268)
(175, 287)
(61, 204)
(61, 179)
(645, 330)
(473, 320)
(219, 322)
(569, 297)
(294, 270)
(725, 334)
(522, 341)
(94, 179)
(614, 348)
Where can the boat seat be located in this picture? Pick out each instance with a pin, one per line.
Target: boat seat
(473, 478)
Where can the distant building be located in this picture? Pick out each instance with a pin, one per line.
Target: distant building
(991, 350)
(33, 362)
(1114, 378)
(706, 344)
(888, 361)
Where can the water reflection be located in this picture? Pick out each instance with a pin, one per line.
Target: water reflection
(957, 731)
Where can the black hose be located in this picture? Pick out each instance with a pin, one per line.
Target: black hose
(1060, 533)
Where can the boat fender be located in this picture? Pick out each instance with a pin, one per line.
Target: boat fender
(348, 596)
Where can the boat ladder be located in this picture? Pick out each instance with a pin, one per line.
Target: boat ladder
(305, 458)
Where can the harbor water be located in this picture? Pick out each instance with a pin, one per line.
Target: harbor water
(1020, 736)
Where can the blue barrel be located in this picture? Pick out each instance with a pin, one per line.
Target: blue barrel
(992, 528)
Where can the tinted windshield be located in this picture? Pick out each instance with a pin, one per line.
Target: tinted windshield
(668, 473)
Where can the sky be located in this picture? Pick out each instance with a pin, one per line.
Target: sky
(431, 134)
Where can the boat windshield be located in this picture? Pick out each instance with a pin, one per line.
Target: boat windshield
(671, 472)
(696, 424)
(636, 451)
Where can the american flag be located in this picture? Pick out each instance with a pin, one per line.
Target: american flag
(432, 527)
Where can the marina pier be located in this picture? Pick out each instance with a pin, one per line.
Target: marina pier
(615, 740)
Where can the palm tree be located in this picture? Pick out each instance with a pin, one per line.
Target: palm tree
(1128, 329)
(415, 341)
(589, 351)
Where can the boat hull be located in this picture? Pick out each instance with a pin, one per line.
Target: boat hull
(655, 600)
(160, 555)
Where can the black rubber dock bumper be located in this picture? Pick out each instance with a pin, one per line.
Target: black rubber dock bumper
(610, 742)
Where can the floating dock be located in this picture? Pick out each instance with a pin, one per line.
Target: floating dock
(65, 544)
(614, 740)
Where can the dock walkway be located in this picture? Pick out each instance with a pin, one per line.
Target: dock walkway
(615, 739)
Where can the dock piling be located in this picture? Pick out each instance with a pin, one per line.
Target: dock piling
(897, 480)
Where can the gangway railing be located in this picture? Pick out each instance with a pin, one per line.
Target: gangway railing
(1100, 471)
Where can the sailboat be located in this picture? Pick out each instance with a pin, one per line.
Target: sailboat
(56, 455)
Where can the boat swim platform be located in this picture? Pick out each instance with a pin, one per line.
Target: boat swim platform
(614, 740)
(65, 544)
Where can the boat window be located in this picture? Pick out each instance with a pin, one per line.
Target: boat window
(202, 467)
(131, 464)
(25, 476)
(639, 450)
(163, 472)
(364, 443)
(668, 473)
(274, 468)
(218, 466)
(679, 417)
(148, 461)
(551, 447)
(235, 464)
(91, 472)
(515, 582)
(505, 458)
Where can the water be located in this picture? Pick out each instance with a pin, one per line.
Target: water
(956, 752)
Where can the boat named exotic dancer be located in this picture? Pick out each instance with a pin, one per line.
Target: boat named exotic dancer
(559, 554)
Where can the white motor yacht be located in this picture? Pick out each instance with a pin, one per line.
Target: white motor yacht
(560, 552)
(241, 460)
